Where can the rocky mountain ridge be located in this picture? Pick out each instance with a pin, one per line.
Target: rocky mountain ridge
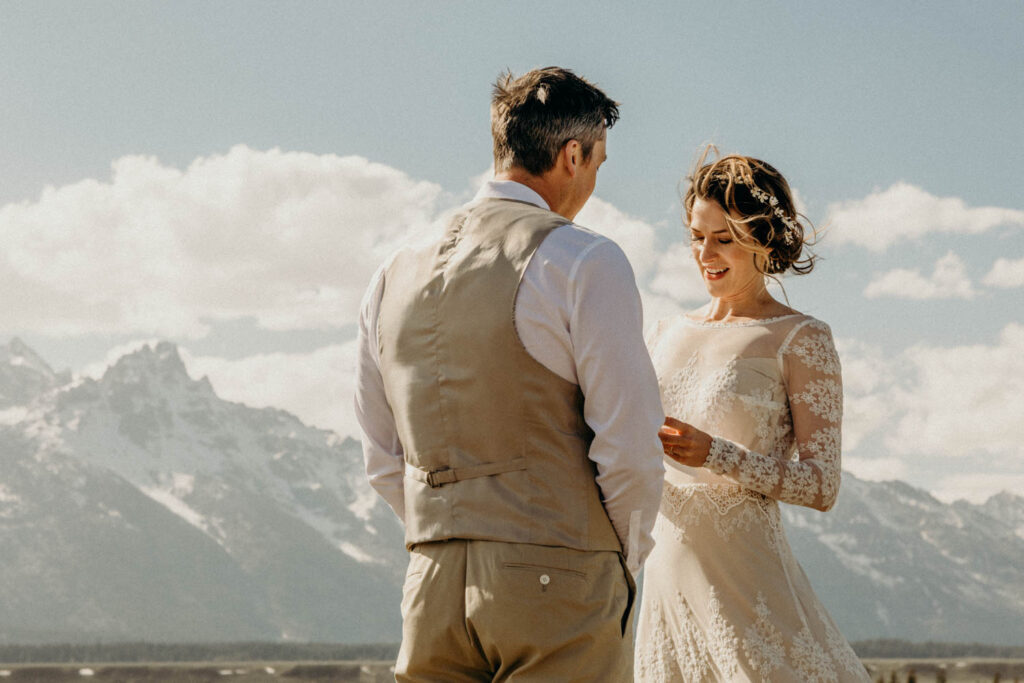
(141, 506)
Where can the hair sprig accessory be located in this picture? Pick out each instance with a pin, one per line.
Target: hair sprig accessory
(772, 202)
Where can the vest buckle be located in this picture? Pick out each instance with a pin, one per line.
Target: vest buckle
(441, 477)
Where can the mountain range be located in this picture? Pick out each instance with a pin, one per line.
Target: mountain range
(141, 506)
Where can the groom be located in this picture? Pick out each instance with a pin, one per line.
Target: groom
(510, 411)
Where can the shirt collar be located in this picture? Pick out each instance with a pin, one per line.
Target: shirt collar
(510, 189)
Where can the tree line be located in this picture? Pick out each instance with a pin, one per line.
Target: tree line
(888, 648)
(323, 652)
(58, 653)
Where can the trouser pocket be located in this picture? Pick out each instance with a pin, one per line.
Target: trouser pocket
(627, 615)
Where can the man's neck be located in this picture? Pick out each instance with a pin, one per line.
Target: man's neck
(551, 192)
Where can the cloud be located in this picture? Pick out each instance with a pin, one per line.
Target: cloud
(905, 212)
(289, 238)
(676, 276)
(667, 278)
(636, 237)
(948, 280)
(867, 389)
(934, 408)
(876, 469)
(964, 400)
(977, 488)
(1006, 274)
(317, 387)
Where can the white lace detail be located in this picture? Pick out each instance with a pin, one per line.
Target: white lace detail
(817, 351)
(771, 399)
(691, 648)
(824, 397)
(727, 509)
(762, 642)
(723, 644)
(739, 323)
(675, 390)
(717, 393)
(811, 660)
(773, 427)
(825, 446)
(760, 472)
(688, 652)
(841, 651)
(724, 456)
(800, 483)
(689, 397)
(816, 398)
(657, 659)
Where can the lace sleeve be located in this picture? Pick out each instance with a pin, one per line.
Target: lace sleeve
(814, 386)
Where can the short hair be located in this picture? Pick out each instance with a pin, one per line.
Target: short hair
(777, 242)
(534, 115)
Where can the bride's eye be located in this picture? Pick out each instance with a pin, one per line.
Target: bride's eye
(723, 241)
(696, 238)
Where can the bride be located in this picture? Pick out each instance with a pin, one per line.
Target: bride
(754, 394)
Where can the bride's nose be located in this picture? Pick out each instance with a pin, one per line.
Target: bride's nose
(707, 251)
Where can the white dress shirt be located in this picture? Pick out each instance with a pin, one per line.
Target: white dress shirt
(578, 313)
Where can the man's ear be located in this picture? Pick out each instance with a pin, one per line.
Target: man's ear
(572, 156)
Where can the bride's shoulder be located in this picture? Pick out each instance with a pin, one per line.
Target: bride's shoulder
(802, 332)
(798, 322)
(670, 325)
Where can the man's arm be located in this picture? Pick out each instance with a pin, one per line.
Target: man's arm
(622, 403)
(382, 450)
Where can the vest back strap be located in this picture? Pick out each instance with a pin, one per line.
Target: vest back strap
(440, 477)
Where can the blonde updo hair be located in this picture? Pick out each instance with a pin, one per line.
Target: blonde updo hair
(733, 182)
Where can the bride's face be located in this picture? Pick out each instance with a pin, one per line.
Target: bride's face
(727, 268)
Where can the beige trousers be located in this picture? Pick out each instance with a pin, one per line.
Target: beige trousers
(493, 611)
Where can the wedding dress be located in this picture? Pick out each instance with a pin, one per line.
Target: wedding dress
(723, 597)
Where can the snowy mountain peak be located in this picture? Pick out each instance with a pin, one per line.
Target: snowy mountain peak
(149, 477)
(161, 362)
(1007, 508)
(1006, 499)
(18, 352)
(24, 375)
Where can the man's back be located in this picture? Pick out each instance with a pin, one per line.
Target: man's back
(495, 443)
(510, 412)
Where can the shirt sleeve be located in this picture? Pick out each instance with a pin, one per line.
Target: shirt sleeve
(382, 450)
(815, 390)
(621, 400)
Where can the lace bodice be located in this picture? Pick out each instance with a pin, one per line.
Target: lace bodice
(770, 394)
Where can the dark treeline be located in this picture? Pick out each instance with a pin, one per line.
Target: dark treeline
(194, 652)
(323, 652)
(903, 649)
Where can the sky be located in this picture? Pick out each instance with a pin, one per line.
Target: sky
(229, 175)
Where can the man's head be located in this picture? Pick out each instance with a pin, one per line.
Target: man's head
(535, 115)
(547, 125)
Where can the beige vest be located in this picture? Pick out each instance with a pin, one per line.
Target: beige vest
(495, 443)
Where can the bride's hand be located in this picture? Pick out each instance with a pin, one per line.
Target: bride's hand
(684, 443)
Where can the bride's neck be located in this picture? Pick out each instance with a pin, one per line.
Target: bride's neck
(757, 304)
